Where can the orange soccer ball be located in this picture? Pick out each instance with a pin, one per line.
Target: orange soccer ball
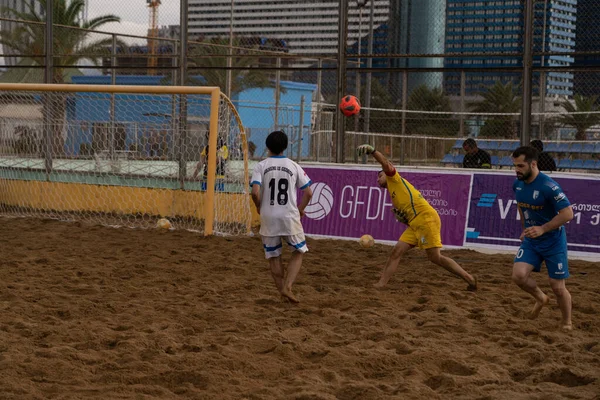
(349, 105)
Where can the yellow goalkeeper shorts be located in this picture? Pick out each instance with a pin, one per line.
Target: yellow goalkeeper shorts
(424, 231)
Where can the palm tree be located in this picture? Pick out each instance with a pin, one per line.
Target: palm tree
(211, 60)
(500, 98)
(424, 98)
(71, 45)
(581, 122)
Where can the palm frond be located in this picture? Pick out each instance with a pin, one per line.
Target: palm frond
(99, 21)
(73, 10)
(70, 47)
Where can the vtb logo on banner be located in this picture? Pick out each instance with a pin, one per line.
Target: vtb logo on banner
(321, 203)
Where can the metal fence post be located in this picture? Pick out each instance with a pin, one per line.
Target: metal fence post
(404, 102)
(367, 122)
(542, 104)
(300, 128)
(230, 54)
(48, 97)
(463, 80)
(319, 109)
(183, 43)
(358, 83)
(49, 45)
(113, 61)
(174, 117)
(174, 65)
(341, 79)
(113, 81)
(527, 73)
(277, 92)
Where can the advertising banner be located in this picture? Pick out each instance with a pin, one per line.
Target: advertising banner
(348, 203)
(494, 218)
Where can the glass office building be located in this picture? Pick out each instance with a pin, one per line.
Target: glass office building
(498, 27)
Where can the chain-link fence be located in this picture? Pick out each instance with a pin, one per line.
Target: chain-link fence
(429, 74)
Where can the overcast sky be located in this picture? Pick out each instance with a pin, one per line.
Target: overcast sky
(134, 14)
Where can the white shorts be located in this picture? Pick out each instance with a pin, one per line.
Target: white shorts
(273, 244)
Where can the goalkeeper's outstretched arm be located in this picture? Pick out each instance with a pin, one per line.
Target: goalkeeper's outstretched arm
(200, 165)
(386, 165)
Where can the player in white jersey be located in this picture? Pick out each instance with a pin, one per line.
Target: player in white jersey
(275, 182)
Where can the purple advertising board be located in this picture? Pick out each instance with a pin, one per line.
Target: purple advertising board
(348, 203)
(494, 218)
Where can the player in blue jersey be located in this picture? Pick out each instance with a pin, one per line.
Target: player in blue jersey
(544, 209)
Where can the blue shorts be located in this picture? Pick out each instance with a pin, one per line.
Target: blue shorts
(556, 260)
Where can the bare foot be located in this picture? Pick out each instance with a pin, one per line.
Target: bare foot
(288, 293)
(473, 286)
(567, 327)
(378, 285)
(538, 307)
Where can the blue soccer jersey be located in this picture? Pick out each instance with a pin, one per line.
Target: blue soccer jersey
(540, 201)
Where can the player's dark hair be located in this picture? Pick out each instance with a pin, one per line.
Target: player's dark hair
(277, 142)
(537, 144)
(530, 153)
(470, 143)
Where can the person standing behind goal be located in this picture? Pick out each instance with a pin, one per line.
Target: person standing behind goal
(275, 181)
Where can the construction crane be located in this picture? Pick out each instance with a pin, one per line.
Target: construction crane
(153, 33)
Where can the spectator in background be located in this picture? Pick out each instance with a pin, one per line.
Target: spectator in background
(545, 160)
(474, 156)
(251, 149)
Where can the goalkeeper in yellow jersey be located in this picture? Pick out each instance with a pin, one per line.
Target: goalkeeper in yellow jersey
(424, 225)
(222, 156)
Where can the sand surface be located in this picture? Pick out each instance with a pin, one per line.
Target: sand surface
(90, 312)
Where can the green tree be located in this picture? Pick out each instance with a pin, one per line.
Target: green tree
(382, 121)
(210, 61)
(424, 98)
(500, 98)
(379, 121)
(581, 122)
(380, 96)
(70, 45)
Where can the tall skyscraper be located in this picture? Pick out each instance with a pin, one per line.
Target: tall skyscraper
(588, 40)
(418, 27)
(477, 26)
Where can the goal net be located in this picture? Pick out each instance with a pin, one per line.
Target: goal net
(124, 156)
